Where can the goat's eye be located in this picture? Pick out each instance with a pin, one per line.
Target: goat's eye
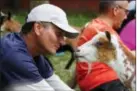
(99, 43)
(77, 50)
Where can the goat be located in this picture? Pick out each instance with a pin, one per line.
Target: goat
(104, 47)
(131, 15)
(8, 24)
(2, 17)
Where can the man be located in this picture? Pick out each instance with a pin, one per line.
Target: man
(22, 65)
(131, 15)
(129, 27)
(102, 77)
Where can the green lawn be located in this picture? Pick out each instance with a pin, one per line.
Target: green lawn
(80, 19)
(59, 62)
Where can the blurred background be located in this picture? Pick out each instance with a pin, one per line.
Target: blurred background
(79, 11)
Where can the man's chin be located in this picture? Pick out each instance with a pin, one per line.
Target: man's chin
(52, 52)
(116, 28)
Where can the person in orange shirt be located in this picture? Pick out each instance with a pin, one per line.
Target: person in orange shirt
(102, 77)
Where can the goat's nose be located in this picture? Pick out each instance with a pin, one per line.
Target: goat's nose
(77, 50)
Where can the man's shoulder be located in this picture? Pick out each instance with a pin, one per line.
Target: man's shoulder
(12, 45)
(92, 27)
(11, 42)
(96, 24)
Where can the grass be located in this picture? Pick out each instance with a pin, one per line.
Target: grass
(20, 17)
(59, 62)
(80, 19)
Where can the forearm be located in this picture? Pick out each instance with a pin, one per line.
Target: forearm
(128, 52)
(39, 86)
(57, 83)
(133, 52)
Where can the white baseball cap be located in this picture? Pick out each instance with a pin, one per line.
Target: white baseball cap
(53, 14)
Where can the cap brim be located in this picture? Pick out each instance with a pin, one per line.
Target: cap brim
(68, 30)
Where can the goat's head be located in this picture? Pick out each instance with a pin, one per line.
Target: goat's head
(100, 48)
(9, 24)
(3, 17)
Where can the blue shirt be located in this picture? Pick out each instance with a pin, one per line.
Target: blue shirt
(17, 65)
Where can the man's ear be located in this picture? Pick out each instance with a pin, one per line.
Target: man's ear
(37, 29)
(115, 11)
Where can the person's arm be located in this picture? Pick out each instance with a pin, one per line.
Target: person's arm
(55, 82)
(128, 52)
(23, 73)
(39, 86)
(134, 52)
(45, 69)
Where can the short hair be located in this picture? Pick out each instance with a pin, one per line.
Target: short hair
(105, 5)
(27, 27)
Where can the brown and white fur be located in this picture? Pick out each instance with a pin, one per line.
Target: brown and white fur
(8, 24)
(106, 48)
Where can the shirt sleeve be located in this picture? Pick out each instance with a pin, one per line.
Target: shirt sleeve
(19, 67)
(57, 83)
(40, 86)
(44, 66)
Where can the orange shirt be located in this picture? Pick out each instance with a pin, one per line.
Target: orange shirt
(101, 73)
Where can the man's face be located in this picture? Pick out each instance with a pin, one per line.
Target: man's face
(49, 39)
(121, 12)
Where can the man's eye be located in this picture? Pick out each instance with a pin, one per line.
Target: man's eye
(58, 34)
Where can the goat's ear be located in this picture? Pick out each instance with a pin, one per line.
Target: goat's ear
(108, 35)
(1, 13)
(9, 15)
